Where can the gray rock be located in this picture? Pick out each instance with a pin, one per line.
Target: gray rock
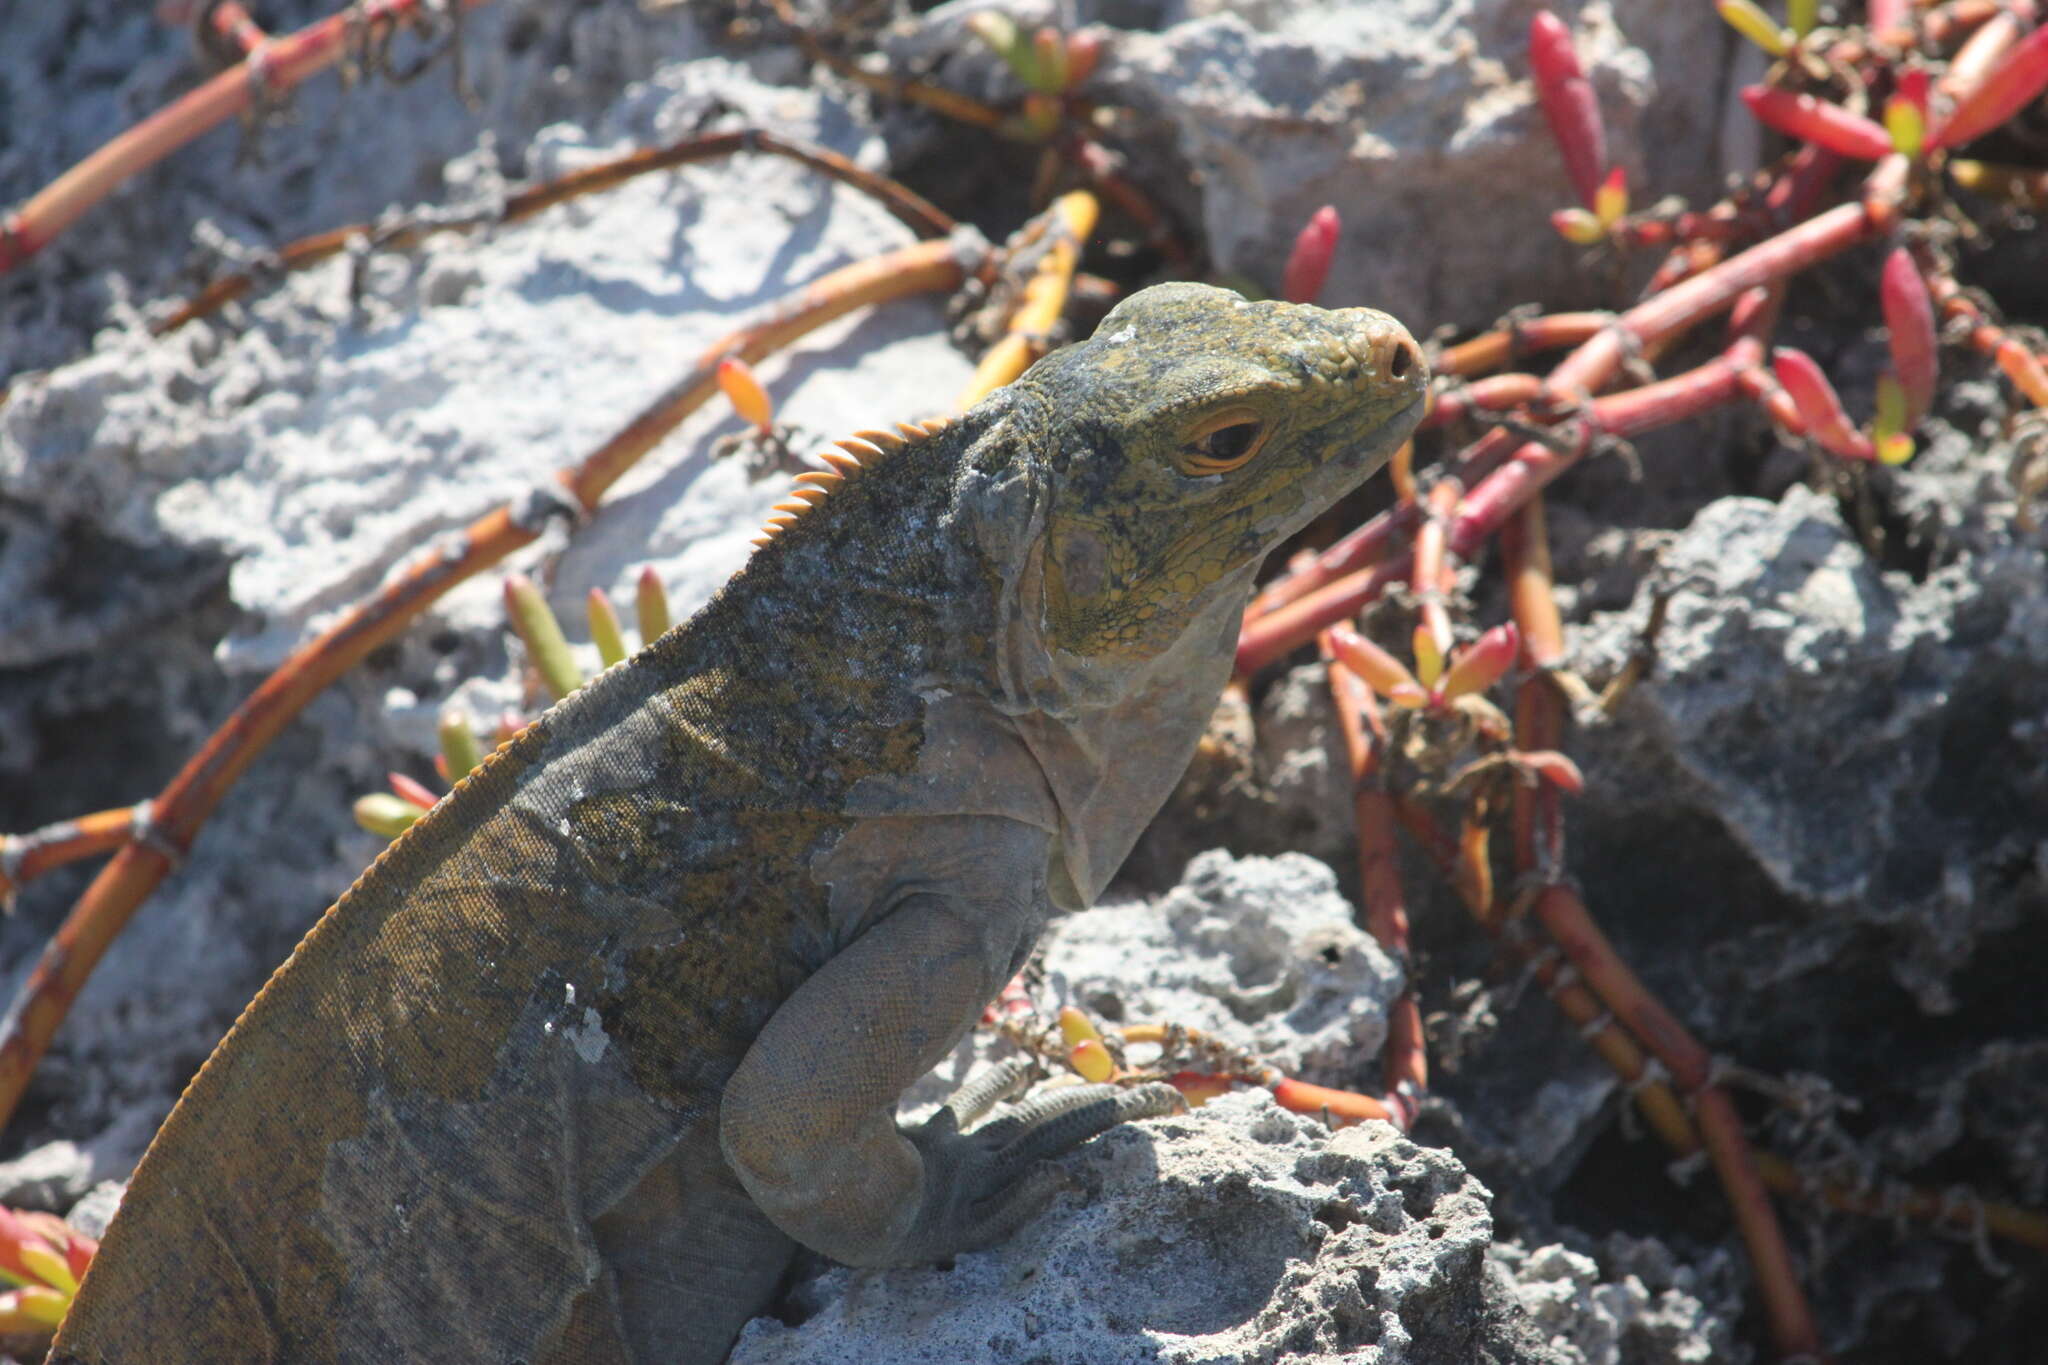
(1594, 1321)
(1260, 951)
(1783, 639)
(74, 75)
(50, 1177)
(1238, 1233)
(91, 1214)
(1418, 122)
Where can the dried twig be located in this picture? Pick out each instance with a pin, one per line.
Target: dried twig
(268, 71)
(912, 209)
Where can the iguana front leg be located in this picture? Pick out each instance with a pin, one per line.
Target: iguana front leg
(808, 1119)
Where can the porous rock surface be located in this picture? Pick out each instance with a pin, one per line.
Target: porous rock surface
(1646, 1311)
(1262, 952)
(1895, 693)
(1238, 1233)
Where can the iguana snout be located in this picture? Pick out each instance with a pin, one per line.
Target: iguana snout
(1193, 433)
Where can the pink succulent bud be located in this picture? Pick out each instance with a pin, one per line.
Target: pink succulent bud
(743, 389)
(1912, 86)
(1553, 767)
(1568, 103)
(1578, 226)
(1084, 50)
(1483, 663)
(412, 791)
(2012, 85)
(1909, 316)
(79, 1251)
(1819, 406)
(1308, 265)
(1381, 671)
(1818, 121)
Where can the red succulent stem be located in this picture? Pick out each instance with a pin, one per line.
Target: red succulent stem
(1405, 1062)
(1525, 559)
(1563, 915)
(1986, 337)
(1493, 394)
(1511, 342)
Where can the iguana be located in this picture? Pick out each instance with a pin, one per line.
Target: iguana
(584, 1056)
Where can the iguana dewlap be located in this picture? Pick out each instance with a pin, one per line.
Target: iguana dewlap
(574, 1067)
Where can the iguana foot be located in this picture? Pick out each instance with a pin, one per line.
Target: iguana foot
(982, 1182)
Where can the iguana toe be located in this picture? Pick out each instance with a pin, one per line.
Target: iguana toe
(982, 1184)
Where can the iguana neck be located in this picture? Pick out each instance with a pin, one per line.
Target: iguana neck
(948, 577)
(1111, 734)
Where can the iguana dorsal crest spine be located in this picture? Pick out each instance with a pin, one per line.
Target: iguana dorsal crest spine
(855, 455)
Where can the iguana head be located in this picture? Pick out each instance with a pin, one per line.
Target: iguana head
(1188, 437)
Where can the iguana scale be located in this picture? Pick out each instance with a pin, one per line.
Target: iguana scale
(575, 1066)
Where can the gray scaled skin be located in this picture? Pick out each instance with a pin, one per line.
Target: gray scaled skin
(579, 1062)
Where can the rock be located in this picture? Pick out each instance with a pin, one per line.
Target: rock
(1782, 637)
(1236, 1233)
(1417, 124)
(1594, 1321)
(50, 1177)
(91, 1214)
(1261, 953)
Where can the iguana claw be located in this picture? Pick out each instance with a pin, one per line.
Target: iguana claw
(991, 1179)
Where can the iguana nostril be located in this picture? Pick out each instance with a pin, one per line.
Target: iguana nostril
(1403, 360)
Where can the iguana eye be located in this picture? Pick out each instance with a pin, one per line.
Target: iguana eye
(1222, 442)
